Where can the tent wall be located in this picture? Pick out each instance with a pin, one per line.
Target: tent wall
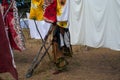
(95, 23)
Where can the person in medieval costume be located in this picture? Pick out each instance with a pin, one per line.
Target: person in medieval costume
(57, 13)
(10, 36)
(51, 11)
(7, 63)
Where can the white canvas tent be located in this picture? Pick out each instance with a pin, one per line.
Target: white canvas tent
(95, 23)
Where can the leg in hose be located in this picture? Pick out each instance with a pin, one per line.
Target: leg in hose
(59, 59)
(65, 39)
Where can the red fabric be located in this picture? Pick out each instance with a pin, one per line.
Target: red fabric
(6, 64)
(13, 34)
(50, 12)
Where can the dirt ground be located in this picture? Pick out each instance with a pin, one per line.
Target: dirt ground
(91, 64)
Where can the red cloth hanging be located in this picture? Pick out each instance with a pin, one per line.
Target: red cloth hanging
(6, 60)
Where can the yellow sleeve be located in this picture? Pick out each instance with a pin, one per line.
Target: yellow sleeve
(36, 11)
(59, 8)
